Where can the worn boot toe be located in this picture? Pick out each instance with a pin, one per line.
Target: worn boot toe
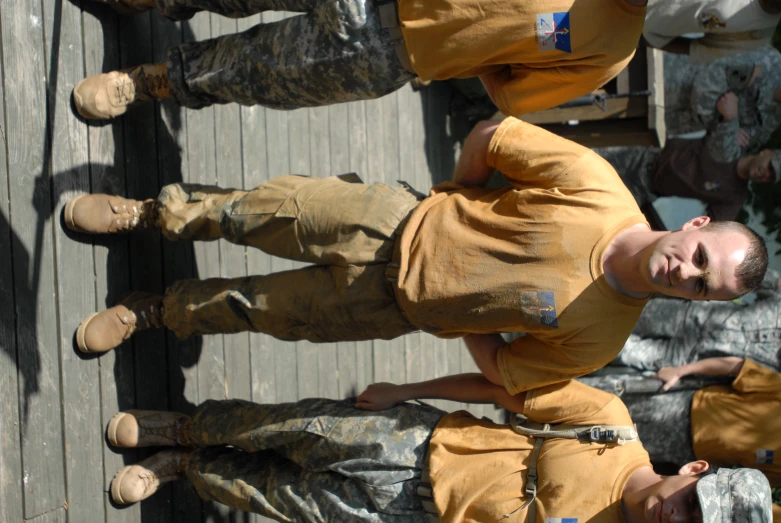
(137, 482)
(106, 330)
(106, 214)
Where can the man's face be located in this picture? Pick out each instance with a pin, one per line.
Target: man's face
(672, 500)
(759, 168)
(697, 263)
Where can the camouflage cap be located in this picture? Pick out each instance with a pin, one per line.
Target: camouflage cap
(735, 496)
(775, 163)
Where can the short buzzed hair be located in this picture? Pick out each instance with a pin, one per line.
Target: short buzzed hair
(751, 271)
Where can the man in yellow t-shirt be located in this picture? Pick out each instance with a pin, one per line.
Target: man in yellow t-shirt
(531, 54)
(726, 425)
(562, 254)
(325, 460)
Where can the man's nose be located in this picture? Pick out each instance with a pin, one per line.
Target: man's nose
(683, 273)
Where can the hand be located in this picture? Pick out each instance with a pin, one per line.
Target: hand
(379, 396)
(728, 106)
(742, 138)
(670, 376)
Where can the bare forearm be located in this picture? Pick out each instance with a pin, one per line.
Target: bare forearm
(484, 349)
(465, 388)
(726, 366)
(472, 168)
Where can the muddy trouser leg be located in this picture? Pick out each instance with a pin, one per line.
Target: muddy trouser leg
(337, 52)
(347, 229)
(664, 424)
(314, 460)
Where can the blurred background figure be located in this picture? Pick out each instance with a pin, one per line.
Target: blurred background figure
(725, 27)
(686, 168)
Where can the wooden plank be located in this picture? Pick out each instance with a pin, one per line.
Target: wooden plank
(633, 131)
(29, 171)
(116, 368)
(59, 515)
(233, 261)
(11, 474)
(74, 263)
(299, 147)
(614, 108)
(389, 362)
(202, 170)
(340, 361)
(328, 156)
(655, 75)
(178, 261)
(255, 164)
(278, 161)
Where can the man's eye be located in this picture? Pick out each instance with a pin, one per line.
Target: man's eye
(700, 285)
(700, 258)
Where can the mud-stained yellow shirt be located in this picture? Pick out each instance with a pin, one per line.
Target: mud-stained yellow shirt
(740, 424)
(525, 258)
(540, 53)
(478, 468)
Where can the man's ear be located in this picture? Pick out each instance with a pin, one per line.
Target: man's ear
(693, 468)
(696, 223)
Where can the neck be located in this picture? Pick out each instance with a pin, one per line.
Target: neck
(633, 496)
(623, 258)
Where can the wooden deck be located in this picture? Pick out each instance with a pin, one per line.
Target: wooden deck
(54, 403)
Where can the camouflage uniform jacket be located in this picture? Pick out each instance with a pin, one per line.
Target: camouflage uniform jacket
(759, 113)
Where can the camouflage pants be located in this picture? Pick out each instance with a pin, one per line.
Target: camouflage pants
(344, 227)
(314, 460)
(663, 420)
(635, 166)
(336, 51)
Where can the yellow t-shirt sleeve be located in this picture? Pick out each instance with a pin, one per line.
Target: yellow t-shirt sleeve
(523, 89)
(754, 377)
(528, 363)
(531, 157)
(573, 402)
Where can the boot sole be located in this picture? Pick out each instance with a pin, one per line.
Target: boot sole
(115, 487)
(81, 341)
(68, 214)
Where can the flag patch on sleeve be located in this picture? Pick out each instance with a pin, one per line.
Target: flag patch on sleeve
(764, 457)
(561, 520)
(553, 32)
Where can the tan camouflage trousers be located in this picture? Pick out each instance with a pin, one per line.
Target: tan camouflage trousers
(336, 51)
(316, 460)
(347, 229)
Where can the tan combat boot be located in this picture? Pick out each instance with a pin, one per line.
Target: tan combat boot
(148, 428)
(105, 214)
(136, 482)
(105, 330)
(104, 96)
(129, 7)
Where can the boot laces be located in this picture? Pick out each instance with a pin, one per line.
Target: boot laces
(165, 429)
(143, 215)
(168, 469)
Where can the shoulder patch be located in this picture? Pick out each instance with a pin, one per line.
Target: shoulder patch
(553, 32)
(561, 520)
(764, 457)
(541, 305)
